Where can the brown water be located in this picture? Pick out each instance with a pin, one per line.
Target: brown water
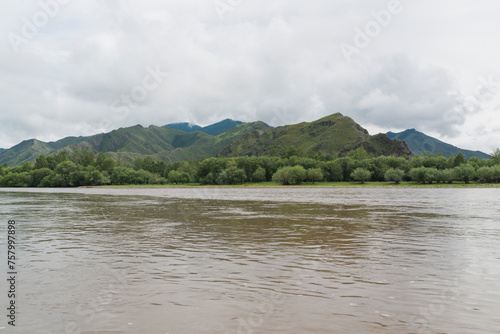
(225, 260)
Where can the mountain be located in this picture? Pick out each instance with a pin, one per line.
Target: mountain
(419, 143)
(162, 143)
(30, 149)
(186, 127)
(335, 134)
(127, 144)
(214, 129)
(2, 150)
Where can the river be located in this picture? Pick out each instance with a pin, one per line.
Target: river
(253, 260)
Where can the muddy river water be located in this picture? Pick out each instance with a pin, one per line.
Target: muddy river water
(252, 260)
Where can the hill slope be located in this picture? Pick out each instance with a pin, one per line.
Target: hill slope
(30, 149)
(214, 129)
(127, 144)
(419, 143)
(163, 143)
(335, 134)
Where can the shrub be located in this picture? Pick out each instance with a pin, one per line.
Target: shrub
(418, 174)
(231, 175)
(314, 174)
(259, 175)
(394, 175)
(290, 175)
(448, 175)
(465, 172)
(361, 175)
(486, 174)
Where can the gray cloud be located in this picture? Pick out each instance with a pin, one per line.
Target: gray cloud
(280, 62)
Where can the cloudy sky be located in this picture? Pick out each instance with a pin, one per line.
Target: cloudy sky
(75, 67)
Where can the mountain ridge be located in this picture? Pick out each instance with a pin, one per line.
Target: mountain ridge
(335, 134)
(212, 129)
(419, 143)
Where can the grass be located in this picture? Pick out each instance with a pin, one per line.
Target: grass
(320, 184)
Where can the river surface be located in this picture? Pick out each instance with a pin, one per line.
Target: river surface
(253, 260)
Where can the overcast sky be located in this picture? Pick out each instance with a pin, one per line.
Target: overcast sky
(75, 67)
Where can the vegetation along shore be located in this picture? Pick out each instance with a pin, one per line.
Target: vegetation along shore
(289, 168)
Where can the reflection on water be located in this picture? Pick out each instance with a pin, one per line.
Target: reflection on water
(297, 260)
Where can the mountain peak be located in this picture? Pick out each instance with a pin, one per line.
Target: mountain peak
(419, 142)
(213, 129)
(334, 134)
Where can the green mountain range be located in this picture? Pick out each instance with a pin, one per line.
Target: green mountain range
(214, 129)
(127, 144)
(419, 143)
(29, 150)
(335, 134)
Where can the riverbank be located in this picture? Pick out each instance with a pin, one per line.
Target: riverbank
(315, 185)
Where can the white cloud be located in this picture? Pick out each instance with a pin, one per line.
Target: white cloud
(274, 61)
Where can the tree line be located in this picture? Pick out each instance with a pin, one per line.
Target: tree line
(84, 168)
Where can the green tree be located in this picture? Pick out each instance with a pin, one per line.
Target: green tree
(22, 179)
(359, 154)
(259, 175)
(495, 156)
(332, 171)
(394, 175)
(459, 159)
(83, 158)
(231, 175)
(361, 175)
(418, 174)
(174, 177)
(37, 175)
(314, 175)
(431, 174)
(211, 166)
(416, 162)
(496, 173)
(41, 162)
(63, 173)
(486, 174)
(464, 172)
(290, 175)
(348, 165)
(103, 163)
(123, 175)
(448, 175)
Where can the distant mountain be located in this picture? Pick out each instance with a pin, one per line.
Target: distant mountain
(2, 150)
(335, 134)
(163, 143)
(30, 149)
(214, 129)
(419, 143)
(186, 127)
(127, 144)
